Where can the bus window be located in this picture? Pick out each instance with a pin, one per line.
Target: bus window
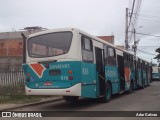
(131, 60)
(111, 57)
(105, 54)
(87, 49)
(48, 45)
(39, 49)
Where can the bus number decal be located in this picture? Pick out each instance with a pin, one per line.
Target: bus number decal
(111, 73)
(64, 77)
(60, 66)
(85, 71)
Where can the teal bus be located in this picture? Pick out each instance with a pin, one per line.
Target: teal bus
(156, 73)
(71, 63)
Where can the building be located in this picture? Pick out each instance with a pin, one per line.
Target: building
(11, 47)
(109, 39)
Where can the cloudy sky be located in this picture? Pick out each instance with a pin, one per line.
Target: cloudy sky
(97, 17)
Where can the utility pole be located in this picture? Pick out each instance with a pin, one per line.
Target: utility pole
(126, 31)
(135, 44)
(135, 41)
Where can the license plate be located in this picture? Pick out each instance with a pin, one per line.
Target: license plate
(47, 83)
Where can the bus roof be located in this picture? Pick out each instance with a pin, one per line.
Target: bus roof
(84, 33)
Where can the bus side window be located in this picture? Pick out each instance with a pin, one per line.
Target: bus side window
(111, 57)
(87, 49)
(105, 54)
(131, 60)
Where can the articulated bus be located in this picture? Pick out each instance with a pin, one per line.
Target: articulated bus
(71, 63)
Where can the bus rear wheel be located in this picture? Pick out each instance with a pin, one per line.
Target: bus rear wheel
(71, 98)
(108, 94)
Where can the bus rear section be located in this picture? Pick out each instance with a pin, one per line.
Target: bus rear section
(53, 78)
(52, 66)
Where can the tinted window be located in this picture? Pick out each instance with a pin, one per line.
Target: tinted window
(87, 51)
(105, 54)
(111, 56)
(51, 44)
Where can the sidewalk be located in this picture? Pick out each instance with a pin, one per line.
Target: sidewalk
(12, 106)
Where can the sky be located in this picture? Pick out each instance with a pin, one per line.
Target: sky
(97, 17)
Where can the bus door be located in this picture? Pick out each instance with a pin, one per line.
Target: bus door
(147, 75)
(100, 68)
(136, 71)
(120, 60)
(142, 74)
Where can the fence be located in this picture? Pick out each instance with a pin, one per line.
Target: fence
(12, 82)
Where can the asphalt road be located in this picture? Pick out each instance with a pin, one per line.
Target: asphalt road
(147, 99)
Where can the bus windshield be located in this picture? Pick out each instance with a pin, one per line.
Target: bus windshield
(51, 44)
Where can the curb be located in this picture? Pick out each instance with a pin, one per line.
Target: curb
(30, 104)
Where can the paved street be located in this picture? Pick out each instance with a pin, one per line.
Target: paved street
(147, 99)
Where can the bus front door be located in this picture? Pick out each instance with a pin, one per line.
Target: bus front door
(100, 70)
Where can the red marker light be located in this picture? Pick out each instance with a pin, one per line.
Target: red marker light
(70, 78)
(47, 65)
(28, 74)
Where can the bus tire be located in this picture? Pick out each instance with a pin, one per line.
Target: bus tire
(73, 99)
(108, 94)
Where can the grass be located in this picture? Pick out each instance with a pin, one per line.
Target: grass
(12, 90)
(20, 99)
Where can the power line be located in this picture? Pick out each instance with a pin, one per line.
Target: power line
(146, 11)
(147, 16)
(149, 20)
(131, 12)
(151, 16)
(132, 20)
(149, 46)
(146, 34)
(146, 52)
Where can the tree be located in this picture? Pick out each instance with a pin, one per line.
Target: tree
(158, 56)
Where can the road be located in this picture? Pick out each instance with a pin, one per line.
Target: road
(147, 99)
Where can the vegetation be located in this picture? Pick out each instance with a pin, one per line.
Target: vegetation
(20, 99)
(158, 56)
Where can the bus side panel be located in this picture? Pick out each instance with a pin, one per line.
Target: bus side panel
(133, 77)
(89, 80)
(139, 78)
(111, 73)
(145, 78)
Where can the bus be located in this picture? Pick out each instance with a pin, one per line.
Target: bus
(71, 63)
(156, 73)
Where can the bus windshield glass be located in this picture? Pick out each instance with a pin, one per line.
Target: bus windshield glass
(51, 44)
